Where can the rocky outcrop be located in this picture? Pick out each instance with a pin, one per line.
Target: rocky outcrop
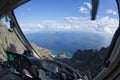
(44, 53)
(61, 56)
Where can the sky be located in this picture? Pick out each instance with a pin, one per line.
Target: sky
(67, 15)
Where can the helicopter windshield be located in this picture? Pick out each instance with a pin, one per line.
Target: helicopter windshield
(64, 30)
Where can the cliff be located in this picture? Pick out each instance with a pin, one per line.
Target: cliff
(9, 41)
(87, 61)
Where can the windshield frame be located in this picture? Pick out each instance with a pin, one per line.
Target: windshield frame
(105, 74)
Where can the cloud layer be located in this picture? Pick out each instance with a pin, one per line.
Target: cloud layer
(103, 25)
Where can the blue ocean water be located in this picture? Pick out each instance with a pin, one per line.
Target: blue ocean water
(69, 42)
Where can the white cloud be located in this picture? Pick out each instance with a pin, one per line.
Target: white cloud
(88, 5)
(28, 28)
(83, 9)
(110, 11)
(51, 25)
(102, 25)
(73, 19)
(47, 25)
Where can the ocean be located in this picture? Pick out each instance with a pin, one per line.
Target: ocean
(69, 41)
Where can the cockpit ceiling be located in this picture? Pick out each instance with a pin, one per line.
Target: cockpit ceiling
(8, 5)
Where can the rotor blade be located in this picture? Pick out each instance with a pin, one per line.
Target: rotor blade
(94, 9)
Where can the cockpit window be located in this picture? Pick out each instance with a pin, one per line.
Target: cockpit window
(64, 27)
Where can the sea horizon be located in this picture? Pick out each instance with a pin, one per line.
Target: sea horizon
(69, 42)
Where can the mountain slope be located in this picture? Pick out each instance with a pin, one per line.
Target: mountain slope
(10, 42)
